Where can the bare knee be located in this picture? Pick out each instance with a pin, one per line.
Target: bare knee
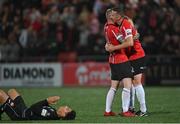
(13, 93)
(127, 83)
(137, 79)
(3, 97)
(2, 93)
(114, 84)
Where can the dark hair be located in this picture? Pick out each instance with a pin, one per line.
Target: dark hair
(118, 10)
(70, 116)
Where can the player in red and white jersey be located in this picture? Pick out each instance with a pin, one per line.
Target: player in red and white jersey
(136, 56)
(128, 29)
(113, 36)
(120, 67)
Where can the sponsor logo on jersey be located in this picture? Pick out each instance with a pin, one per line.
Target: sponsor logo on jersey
(44, 112)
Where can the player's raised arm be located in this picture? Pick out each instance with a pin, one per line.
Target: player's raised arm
(53, 99)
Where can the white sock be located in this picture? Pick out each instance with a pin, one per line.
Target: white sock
(109, 99)
(132, 97)
(141, 97)
(125, 99)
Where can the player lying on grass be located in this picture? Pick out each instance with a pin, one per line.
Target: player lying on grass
(14, 106)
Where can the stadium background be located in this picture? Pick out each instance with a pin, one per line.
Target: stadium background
(60, 44)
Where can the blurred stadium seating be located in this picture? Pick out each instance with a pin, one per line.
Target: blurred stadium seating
(72, 31)
(49, 28)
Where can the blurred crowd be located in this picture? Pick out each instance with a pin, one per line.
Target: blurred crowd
(48, 28)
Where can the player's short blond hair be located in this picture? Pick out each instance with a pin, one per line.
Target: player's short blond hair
(108, 12)
(115, 9)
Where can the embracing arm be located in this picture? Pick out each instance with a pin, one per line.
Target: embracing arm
(126, 28)
(127, 43)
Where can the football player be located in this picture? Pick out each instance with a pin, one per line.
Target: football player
(14, 106)
(136, 56)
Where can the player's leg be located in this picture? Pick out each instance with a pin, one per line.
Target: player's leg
(139, 67)
(140, 93)
(132, 99)
(20, 105)
(125, 75)
(3, 99)
(8, 105)
(112, 91)
(110, 97)
(13, 94)
(126, 94)
(126, 98)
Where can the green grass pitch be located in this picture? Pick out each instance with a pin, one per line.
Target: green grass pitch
(163, 104)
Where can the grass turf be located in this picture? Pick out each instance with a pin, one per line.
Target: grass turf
(163, 104)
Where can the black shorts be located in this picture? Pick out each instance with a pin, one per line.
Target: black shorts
(138, 65)
(120, 71)
(15, 108)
